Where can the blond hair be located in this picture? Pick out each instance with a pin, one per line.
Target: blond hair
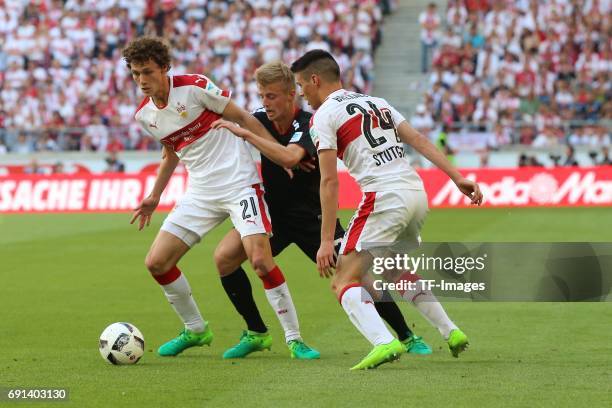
(274, 72)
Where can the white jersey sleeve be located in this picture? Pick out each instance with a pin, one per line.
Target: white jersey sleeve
(209, 95)
(322, 133)
(397, 117)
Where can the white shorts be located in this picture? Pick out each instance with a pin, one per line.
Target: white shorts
(194, 215)
(386, 220)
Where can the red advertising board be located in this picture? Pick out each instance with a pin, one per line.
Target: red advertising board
(525, 187)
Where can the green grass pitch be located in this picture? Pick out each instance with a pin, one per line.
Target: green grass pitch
(65, 277)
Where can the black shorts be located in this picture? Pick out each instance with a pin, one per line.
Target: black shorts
(305, 234)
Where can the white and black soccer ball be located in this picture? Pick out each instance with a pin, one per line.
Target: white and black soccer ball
(121, 343)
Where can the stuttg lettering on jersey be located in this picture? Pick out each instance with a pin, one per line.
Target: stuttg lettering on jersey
(390, 153)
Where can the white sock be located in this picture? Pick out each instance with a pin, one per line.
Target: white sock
(431, 309)
(178, 294)
(280, 300)
(359, 306)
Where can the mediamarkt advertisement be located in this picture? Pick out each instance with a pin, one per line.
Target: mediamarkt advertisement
(524, 187)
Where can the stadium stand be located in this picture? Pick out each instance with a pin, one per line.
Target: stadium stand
(527, 72)
(63, 85)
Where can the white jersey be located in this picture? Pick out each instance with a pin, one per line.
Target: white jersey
(215, 159)
(363, 131)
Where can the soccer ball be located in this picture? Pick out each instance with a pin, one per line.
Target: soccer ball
(121, 343)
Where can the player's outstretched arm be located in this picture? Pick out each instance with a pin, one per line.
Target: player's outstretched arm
(329, 205)
(235, 113)
(422, 145)
(285, 156)
(148, 205)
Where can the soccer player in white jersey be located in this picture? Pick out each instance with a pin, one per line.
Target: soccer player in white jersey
(223, 181)
(366, 133)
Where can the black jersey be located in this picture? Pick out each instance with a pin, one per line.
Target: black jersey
(296, 198)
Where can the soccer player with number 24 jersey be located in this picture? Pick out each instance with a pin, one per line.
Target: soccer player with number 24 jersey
(366, 133)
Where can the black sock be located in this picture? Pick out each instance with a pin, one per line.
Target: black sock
(391, 313)
(238, 289)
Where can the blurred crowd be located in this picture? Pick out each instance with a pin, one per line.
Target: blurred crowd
(64, 86)
(532, 72)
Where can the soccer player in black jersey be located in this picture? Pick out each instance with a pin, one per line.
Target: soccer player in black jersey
(295, 209)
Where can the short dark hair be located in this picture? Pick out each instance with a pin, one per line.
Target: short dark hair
(144, 49)
(318, 62)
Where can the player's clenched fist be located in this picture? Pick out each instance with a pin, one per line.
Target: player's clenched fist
(144, 211)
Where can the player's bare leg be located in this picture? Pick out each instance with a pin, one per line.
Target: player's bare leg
(359, 306)
(165, 252)
(257, 249)
(229, 254)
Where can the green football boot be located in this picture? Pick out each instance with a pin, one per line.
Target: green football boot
(457, 342)
(301, 351)
(249, 342)
(416, 345)
(185, 340)
(381, 354)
